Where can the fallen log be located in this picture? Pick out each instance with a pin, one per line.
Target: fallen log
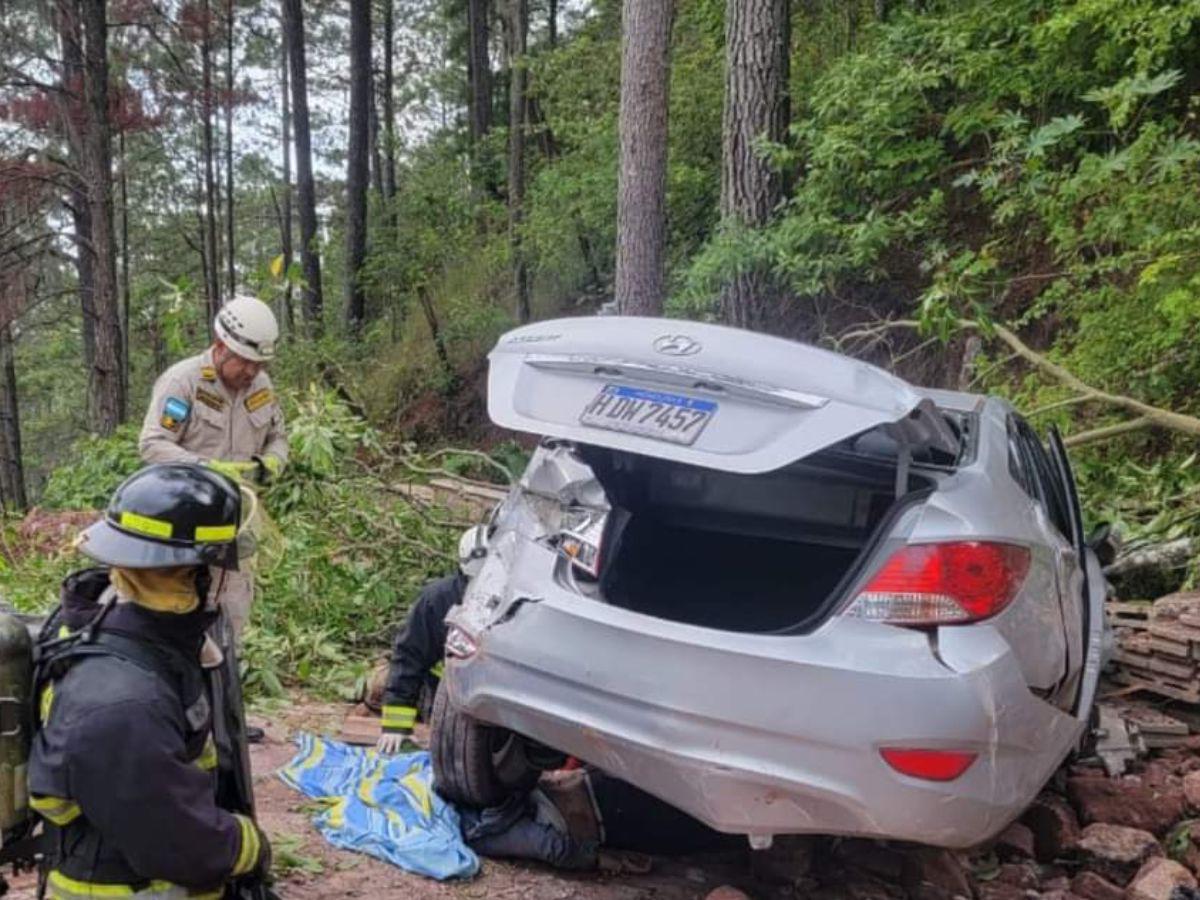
(1168, 555)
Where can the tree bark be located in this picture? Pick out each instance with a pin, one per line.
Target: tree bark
(305, 189)
(70, 105)
(756, 108)
(13, 470)
(230, 247)
(285, 228)
(389, 101)
(106, 393)
(552, 23)
(881, 10)
(642, 176)
(375, 134)
(356, 163)
(479, 74)
(212, 278)
(126, 293)
(518, 26)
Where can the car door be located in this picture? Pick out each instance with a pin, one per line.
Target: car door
(1039, 477)
(1076, 607)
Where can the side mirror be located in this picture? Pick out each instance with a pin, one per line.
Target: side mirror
(1105, 543)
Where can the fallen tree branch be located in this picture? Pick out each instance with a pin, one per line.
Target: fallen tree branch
(1107, 431)
(1154, 415)
(1169, 555)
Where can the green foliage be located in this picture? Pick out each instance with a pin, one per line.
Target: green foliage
(98, 465)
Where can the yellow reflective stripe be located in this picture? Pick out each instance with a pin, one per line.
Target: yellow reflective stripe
(250, 847)
(207, 760)
(46, 703)
(58, 810)
(146, 525)
(213, 533)
(439, 671)
(68, 888)
(63, 887)
(399, 716)
(63, 631)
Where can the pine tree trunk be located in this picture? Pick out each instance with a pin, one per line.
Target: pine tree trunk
(389, 101)
(106, 394)
(756, 108)
(642, 176)
(356, 163)
(212, 278)
(126, 293)
(10, 425)
(70, 104)
(305, 189)
(288, 315)
(479, 74)
(881, 10)
(376, 150)
(230, 251)
(518, 26)
(552, 23)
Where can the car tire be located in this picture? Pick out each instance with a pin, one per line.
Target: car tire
(476, 764)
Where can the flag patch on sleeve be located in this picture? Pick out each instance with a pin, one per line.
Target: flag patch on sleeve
(175, 413)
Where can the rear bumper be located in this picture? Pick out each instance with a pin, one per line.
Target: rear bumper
(763, 734)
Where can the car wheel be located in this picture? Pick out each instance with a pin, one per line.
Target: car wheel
(474, 763)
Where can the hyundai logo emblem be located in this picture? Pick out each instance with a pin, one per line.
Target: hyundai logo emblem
(677, 345)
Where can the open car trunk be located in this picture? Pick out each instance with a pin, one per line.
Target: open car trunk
(765, 553)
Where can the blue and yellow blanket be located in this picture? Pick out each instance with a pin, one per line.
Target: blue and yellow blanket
(381, 805)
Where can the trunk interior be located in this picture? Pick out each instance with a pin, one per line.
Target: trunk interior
(751, 553)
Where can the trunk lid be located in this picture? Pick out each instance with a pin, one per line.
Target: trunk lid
(700, 394)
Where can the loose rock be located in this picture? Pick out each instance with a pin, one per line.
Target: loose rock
(940, 868)
(1091, 886)
(1152, 802)
(726, 892)
(1116, 851)
(1158, 879)
(1191, 790)
(1054, 825)
(1022, 875)
(1016, 842)
(996, 890)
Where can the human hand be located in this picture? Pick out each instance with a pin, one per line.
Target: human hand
(391, 742)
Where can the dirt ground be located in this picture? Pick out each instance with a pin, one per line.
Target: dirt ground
(321, 872)
(1088, 836)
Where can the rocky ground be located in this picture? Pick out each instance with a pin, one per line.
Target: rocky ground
(1088, 837)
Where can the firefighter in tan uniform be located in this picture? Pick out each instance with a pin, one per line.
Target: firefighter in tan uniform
(220, 409)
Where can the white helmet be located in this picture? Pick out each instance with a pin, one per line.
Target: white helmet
(472, 550)
(247, 326)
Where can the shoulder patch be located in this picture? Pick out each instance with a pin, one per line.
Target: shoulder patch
(208, 373)
(211, 399)
(174, 413)
(259, 399)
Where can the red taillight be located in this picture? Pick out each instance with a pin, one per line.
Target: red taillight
(937, 584)
(928, 765)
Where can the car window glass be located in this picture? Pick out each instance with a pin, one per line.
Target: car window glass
(1050, 486)
(1018, 463)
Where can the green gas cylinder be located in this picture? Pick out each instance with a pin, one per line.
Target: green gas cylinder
(16, 672)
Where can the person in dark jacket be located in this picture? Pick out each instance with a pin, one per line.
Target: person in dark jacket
(420, 644)
(123, 766)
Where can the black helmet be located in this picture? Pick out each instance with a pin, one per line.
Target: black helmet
(173, 514)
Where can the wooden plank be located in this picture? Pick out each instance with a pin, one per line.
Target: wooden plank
(1142, 608)
(1152, 721)
(1174, 631)
(1171, 650)
(1165, 688)
(1173, 668)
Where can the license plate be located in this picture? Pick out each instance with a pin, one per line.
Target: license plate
(652, 414)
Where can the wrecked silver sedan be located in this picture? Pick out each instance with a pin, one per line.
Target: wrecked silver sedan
(779, 588)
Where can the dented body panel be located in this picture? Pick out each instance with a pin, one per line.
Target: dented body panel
(767, 733)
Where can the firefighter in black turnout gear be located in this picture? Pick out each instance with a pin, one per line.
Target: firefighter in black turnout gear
(124, 766)
(420, 645)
